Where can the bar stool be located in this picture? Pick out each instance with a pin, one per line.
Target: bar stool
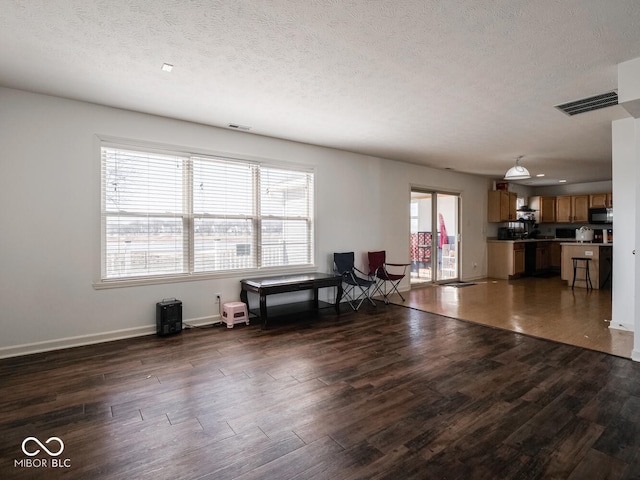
(578, 265)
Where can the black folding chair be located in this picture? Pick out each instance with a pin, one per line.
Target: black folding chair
(356, 288)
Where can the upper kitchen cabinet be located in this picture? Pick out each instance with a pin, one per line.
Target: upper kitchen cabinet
(501, 206)
(545, 209)
(563, 209)
(580, 206)
(601, 200)
(572, 209)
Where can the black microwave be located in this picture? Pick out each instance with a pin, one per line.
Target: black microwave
(600, 215)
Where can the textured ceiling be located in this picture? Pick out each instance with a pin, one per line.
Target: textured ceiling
(457, 84)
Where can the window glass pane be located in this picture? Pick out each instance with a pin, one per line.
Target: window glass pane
(169, 214)
(284, 193)
(285, 242)
(222, 244)
(222, 188)
(141, 246)
(142, 182)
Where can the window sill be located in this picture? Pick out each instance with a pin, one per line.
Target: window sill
(138, 282)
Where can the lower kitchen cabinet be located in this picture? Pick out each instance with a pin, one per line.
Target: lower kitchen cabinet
(542, 256)
(505, 259)
(518, 259)
(513, 258)
(555, 256)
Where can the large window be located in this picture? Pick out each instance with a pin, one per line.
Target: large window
(174, 214)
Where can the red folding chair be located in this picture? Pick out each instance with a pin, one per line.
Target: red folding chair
(379, 270)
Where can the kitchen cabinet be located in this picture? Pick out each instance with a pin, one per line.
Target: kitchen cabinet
(572, 209)
(580, 207)
(501, 206)
(601, 200)
(518, 259)
(505, 259)
(542, 256)
(545, 209)
(555, 256)
(568, 208)
(563, 209)
(512, 258)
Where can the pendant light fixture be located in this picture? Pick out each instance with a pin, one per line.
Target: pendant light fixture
(517, 172)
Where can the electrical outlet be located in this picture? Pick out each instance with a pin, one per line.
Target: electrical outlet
(218, 297)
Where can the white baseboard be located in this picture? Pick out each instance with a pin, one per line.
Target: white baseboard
(627, 327)
(69, 342)
(473, 278)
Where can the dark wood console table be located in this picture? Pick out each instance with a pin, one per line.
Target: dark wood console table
(289, 283)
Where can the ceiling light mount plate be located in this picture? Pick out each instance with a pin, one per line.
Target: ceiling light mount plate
(517, 172)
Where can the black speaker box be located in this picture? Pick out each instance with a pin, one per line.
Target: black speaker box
(168, 317)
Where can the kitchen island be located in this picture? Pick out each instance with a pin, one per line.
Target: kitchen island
(599, 266)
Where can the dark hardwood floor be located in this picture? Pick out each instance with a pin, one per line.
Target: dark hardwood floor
(387, 393)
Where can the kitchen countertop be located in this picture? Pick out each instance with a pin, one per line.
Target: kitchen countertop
(584, 244)
(563, 241)
(530, 240)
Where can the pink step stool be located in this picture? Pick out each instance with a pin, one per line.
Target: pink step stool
(235, 312)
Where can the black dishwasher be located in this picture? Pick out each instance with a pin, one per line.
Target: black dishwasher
(530, 258)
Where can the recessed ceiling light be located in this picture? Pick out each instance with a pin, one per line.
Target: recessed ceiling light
(540, 175)
(562, 181)
(167, 67)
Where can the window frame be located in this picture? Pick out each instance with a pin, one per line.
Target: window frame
(189, 218)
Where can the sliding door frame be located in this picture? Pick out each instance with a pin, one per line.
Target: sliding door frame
(434, 192)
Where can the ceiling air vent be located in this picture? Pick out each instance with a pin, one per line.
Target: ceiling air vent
(589, 104)
(239, 127)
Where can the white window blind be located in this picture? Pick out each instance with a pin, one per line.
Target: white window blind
(224, 208)
(167, 215)
(143, 214)
(285, 210)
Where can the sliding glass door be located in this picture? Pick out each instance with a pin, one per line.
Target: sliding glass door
(447, 212)
(434, 241)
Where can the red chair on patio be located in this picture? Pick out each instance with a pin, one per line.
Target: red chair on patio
(386, 275)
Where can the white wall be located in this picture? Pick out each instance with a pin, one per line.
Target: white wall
(575, 188)
(626, 191)
(50, 238)
(624, 152)
(628, 86)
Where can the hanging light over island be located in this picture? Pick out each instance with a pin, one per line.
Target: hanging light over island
(517, 172)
